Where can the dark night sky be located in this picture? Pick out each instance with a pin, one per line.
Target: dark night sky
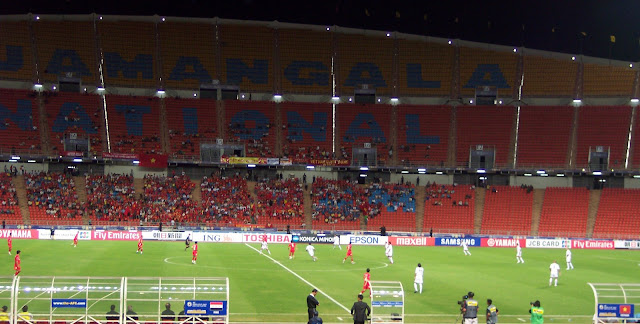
(548, 25)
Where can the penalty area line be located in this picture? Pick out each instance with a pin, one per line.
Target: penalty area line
(299, 277)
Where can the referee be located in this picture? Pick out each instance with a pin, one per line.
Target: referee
(312, 303)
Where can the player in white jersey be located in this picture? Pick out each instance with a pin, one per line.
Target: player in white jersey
(312, 251)
(336, 242)
(388, 251)
(568, 258)
(519, 253)
(554, 268)
(265, 245)
(418, 278)
(465, 247)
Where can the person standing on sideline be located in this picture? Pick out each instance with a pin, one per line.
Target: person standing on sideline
(492, 312)
(336, 242)
(567, 255)
(470, 310)
(315, 319)
(292, 250)
(312, 252)
(519, 253)
(536, 313)
(312, 303)
(360, 311)
(418, 278)
(465, 247)
(187, 242)
(554, 268)
(388, 251)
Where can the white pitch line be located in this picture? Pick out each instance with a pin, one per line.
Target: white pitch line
(340, 318)
(521, 320)
(299, 277)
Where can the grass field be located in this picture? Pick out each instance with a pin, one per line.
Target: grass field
(264, 291)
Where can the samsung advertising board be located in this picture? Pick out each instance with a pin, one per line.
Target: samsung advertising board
(312, 238)
(457, 241)
(363, 239)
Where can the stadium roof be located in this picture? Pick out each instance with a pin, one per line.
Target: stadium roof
(606, 29)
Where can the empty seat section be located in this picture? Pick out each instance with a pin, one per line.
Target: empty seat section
(605, 127)
(111, 200)
(423, 134)
(392, 205)
(168, 199)
(543, 136)
(52, 199)
(359, 124)
(75, 113)
(247, 56)
(449, 209)
(252, 123)
(337, 204)
(280, 202)
(365, 59)
(635, 144)
(507, 211)
(226, 201)
(188, 55)
(425, 68)
(191, 122)
(311, 75)
(9, 209)
(134, 124)
(564, 212)
(129, 48)
(489, 126)
(19, 122)
(307, 131)
(608, 80)
(479, 67)
(548, 77)
(66, 48)
(618, 214)
(15, 51)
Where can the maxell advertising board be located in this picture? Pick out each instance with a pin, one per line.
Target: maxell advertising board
(548, 243)
(456, 241)
(363, 239)
(592, 244)
(502, 242)
(411, 241)
(271, 238)
(312, 238)
(214, 237)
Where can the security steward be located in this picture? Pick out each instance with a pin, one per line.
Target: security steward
(492, 312)
(470, 310)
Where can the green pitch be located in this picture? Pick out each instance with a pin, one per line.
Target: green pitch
(264, 291)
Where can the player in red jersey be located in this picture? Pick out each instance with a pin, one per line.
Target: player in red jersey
(16, 264)
(367, 282)
(194, 253)
(292, 250)
(10, 243)
(349, 254)
(75, 240)
(139, 245)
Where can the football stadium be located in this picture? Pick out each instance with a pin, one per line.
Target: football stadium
(180, 169)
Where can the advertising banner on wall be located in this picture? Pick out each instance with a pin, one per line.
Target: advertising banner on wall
(165, 236)
(70, 234)
(215, 237)
(548, 243)
(115, 235)
(412, 241)
(271, 238)
(312, 238)
(363, 239)
(502, 242)
(620, 244)
(592, 244)
(456, 241)
(20, 234)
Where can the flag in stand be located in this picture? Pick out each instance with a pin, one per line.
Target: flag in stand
(153, 161)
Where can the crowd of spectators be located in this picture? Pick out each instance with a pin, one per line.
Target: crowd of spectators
(280, 199)
(255, 147)
(226, 200)
(439, 194)
(8, 197)
(338, 200)
(144, 144)
(393, 196)
(54, 192)
(168, 200)
(111, 197)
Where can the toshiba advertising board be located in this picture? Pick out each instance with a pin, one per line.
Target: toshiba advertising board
(270, 238)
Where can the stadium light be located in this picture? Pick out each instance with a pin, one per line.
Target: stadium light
(450, 42)
(471, 101)
(350, 99)
(364, 168)
(195, 94)
(481, 171)
(422, 170)
(31, 161)
(631, 65)
(100, 88)
(15, 157)
(540, 172)
(37, 86)
(13, 161)
(388, 34)
(573, 58)
(544, 175)
(528, 174)
(335, 98)
(404, 172)
(161, 92)
(596, 173)
(637, 176)
(394, 99)
(77, 160)
(53, 88)
(164, 19)
(439, 172)
(310, 167)
(328, 28)
(560, 175)
(251, 165)
(635, 100)
(277, 97)
(379, 100)
(362, 175)
(577, 101)
(515, 50)
(37, 17)
(100, 17)
(136, 162)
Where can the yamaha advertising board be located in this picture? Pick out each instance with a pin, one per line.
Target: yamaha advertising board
(205, 307)
(456, 241)
(312, 238)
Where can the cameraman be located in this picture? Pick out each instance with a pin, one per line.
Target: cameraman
(536, 313)
(492, 312)
(469, 310)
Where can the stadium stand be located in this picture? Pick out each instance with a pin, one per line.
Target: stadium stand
(423, 134)
(307, 131)
(361, 123)
(564, 212)
(187, 62)
(52, 198)
(618, 214)
(338, 204)
(111, 200)
(484, 125)
(80, 114)
(358, 66)
(543, 136)
(449, 209)
(396, 205)
(226, 200)
(16, 51)
(128, 48)
(19, 122)
(507, 210)
(306, 61)
(425, 68)
(252, 123)
(635, 143)
(603, 126)
(191, 122)
(168, 200)
(9, 209)
(608, 80)
(479, 67)
(61, 53)
(280, 202)
(134, 124)
(538, 83)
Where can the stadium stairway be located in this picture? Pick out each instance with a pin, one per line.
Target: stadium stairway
(196, 194)
(138, 186)
(81, 191)
(477, 223)
(594, 203)
(306, 200)
(420, 197)
(251, 186)
(538, 200)
(21, 192)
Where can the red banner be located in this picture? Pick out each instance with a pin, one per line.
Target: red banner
(115, 236)
(592, 244)
(153, 160)
(20, 233)
(411, 241)
(502, 242)
(124, 156)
